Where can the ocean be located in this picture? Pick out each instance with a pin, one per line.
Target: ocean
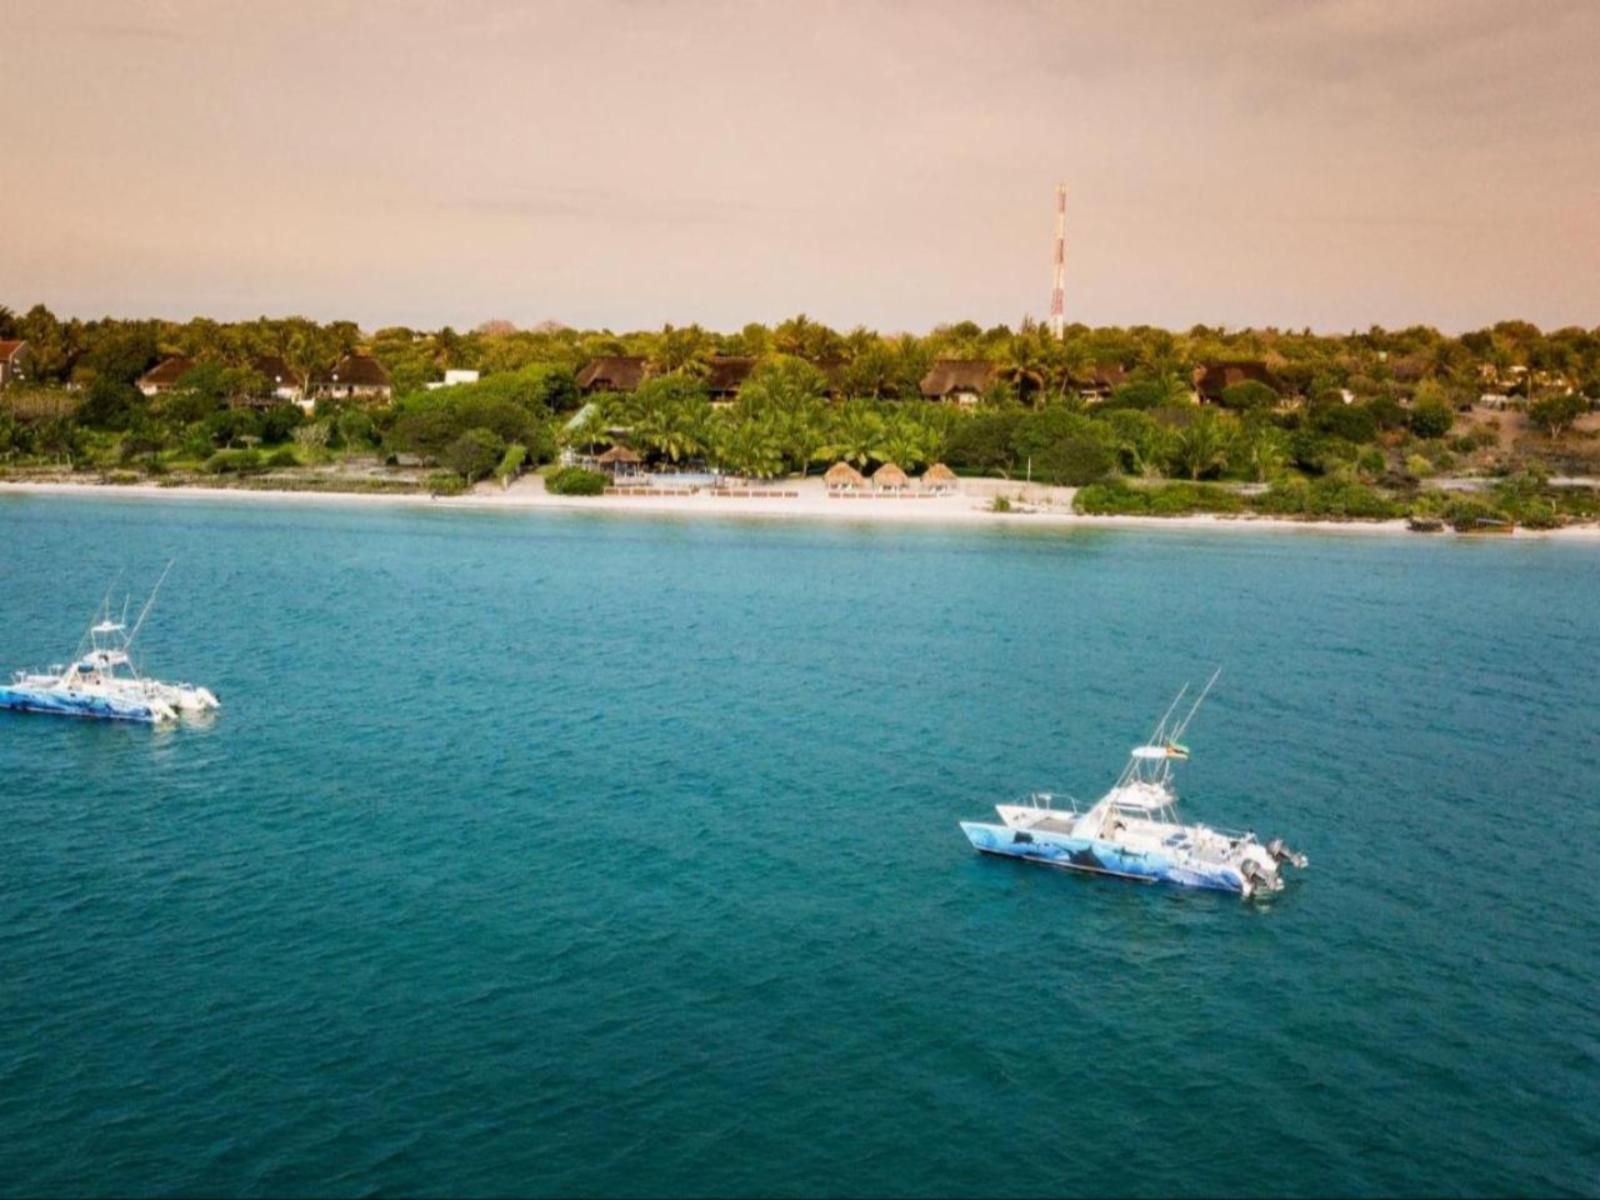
(572, 854)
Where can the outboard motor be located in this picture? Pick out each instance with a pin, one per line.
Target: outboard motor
(1258, 877)
(1282, 854)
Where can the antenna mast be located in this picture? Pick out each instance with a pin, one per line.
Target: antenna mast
(1058, 289)
(148, 605)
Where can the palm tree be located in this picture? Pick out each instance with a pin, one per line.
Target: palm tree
(905, 441)
(1142, 443)
(856, 437)
(748, 448)
(803, 433)
(685, 351)
(1261, 449)
(1028, 361)
(1200, 446)
(1073, 361)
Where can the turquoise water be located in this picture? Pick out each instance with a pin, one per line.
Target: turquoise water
(555, 854)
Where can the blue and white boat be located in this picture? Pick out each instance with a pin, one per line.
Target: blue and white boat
(1132, 832)
(101, 682)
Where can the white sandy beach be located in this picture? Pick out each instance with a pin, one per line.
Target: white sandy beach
(1041, 506)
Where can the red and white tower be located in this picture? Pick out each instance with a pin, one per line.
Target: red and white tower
(1058, 290)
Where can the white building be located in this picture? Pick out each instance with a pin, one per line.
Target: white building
(453, 377)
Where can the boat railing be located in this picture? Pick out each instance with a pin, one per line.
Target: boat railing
(1232, 835)
(1047, 800)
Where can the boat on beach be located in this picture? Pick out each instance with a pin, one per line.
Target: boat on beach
(1133, 832)
(102, 682)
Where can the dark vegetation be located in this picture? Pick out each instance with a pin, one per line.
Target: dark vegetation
(1335, 426)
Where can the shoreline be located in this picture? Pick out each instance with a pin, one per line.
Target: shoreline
(964, 508)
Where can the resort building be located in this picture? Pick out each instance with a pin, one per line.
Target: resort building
(283, 382)
(726, 376)
(960, 381)
(16, 362)
(1212, 379)
(616, 373)
(1097, 384)
(164, 376)
(452, 378)
(353, 377)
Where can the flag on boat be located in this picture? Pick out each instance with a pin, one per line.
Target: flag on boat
(1176, 751)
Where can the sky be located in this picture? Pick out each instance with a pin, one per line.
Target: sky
(622, 163)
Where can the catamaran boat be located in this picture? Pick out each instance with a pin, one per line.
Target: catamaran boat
(1133, 832)
(102, 681)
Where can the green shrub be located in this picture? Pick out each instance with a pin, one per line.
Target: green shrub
(1327, 499)
(1074, 462)
(1167, 500)
(282, 457)
(1464, 512)
(445, 483)
(1477, 439)
(1181, 499)
(474, 454)
(232, 462)
(1540, 514)
(1556, 414)
(1138, 394)
(1111, 499)
(1350, 422)
(1580, 502)
(1250, 393)
(279, 422)
(575, 481)
(1432, 419)
(1000, 505)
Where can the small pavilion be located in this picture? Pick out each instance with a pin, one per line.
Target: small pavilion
(842, 477)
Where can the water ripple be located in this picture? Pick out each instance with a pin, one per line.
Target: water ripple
(582, 856)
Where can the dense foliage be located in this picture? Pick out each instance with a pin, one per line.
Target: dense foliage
(1343, 420)
(575, 481)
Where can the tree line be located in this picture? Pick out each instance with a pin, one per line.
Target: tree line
(1373, 405)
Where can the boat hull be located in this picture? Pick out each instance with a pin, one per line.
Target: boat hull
(77, 704)
(1098, 857)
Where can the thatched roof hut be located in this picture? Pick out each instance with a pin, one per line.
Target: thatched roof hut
(164, 376)
(963, 380)
(939, 478)
(613, 373)
(725, 375)
(618, 455)
(890, 477)
(354, 375)
(1212, 379)
(842, 475)
(1098, 382)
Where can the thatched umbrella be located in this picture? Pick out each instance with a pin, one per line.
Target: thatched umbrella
(939, 478)
(619, 461)
(842, 475)
(890, 477)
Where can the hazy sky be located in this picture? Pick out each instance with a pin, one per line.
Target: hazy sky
(623, 163)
